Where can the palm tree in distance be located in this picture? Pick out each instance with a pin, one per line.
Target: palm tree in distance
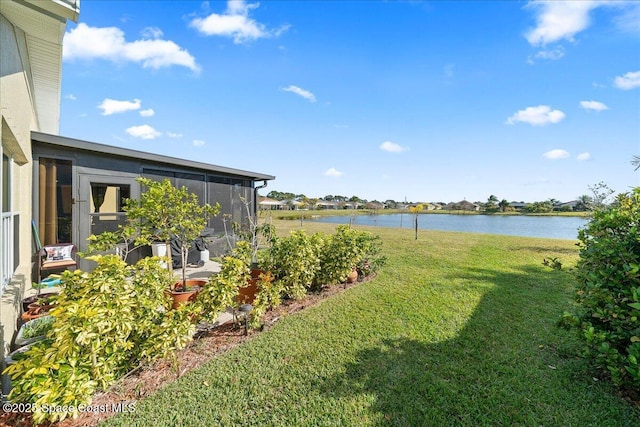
(636, 162)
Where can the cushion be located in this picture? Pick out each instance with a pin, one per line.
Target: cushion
(58, 253)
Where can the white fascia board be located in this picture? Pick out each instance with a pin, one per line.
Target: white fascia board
(65, 9)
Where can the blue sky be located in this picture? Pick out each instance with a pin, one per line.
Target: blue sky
(423, 100)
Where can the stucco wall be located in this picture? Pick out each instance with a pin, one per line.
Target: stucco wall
(18, 119)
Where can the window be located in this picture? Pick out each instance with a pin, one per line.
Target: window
(106, 202)
(234, 196)
(54, 201)
(6, 184)
(194, 182)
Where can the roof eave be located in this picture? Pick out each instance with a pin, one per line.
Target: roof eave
(151, 157)
(65, 9)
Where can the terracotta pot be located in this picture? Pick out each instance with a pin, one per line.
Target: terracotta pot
(185, 297)
(37, 308)
(247, 293)
(30, 316)
(34, 298)
(353, 276)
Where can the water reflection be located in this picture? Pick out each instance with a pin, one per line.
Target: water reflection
(554, 227)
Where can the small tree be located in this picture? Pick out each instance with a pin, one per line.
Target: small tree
(492, 204)
(253, 232)
(416, 211)
(164, 212)
(601, 194)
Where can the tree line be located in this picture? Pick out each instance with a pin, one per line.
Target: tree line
(600, 192)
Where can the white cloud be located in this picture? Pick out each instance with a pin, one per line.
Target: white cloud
(299, 91)
(630, 80)
(174, 135)
(558, 20)
(147, 113)
(112, 106)
(556, 154)
(593, 105)
(548, 54)
(537, 116)
(240, 7)
(235, 23)
(108, 43)
(584, 156)
(198, 143)
(392, 147)
(333, 172)
(629, 20)
(71, 97)
(143, 132)
(152, 33)
(561, 20)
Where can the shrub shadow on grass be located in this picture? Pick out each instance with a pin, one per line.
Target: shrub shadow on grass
(509, 365)
(548, 250)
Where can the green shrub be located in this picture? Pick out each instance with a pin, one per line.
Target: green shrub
(295, 261)
(371, 258)
(269, 296)
(608, 274)
(106, 322)
(340, 255)
(222, 288)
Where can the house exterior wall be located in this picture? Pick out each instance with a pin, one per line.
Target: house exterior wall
(31, 35)
(18, 118)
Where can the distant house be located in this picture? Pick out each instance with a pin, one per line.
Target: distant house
(325, 204)
(430, 206)
(265, 203)
(294, 204)
(374, 205)
(518, 206)
(463, 205)
(567, 206)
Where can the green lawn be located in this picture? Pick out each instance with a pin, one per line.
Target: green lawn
(457, 329)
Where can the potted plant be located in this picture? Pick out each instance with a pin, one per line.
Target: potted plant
(40, 307)
(34, 330)
(164, 213)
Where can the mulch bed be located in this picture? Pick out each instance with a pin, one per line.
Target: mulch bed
(149, 379)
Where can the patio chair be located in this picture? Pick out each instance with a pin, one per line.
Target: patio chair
(56, 258)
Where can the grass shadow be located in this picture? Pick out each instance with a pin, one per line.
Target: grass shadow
(508, 365)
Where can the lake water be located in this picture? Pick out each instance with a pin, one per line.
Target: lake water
(553, 227)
